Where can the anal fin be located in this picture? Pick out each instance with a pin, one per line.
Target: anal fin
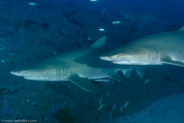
(83, 83)
(127, 72)
(140, 72)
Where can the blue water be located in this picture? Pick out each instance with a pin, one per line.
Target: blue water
(167, 9)
(32, 32)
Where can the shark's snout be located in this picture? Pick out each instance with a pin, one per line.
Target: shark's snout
(28, 74)
(23, 73)
(16, 73)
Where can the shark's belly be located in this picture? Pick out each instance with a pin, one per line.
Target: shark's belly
(95, 73)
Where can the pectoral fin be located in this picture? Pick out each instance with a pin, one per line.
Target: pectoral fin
(83, 83)
(172, 62)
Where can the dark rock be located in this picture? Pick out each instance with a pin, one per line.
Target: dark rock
(65, 116)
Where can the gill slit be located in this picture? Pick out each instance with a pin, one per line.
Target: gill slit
(61, 73)
(156, 56)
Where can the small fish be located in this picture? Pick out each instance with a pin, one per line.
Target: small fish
(101, 106)
(121, 108)
(110, 115)
(89, 39)
(101, 29)
(33, 4)
(93, 0)
(2, 61)
(116, 22)
(108, 93)
(126, 104)
(100, 101)
(114, 106)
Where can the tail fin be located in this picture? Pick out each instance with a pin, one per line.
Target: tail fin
(99, 43)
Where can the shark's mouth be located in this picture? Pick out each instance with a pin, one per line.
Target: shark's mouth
(30, 77)
(121, 62)
(106, 58)
(115, 61)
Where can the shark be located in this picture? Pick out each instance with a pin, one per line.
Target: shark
(144, 18)
(64, 68)
(156, 49)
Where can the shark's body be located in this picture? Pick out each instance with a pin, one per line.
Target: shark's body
(145, 18)
(64, 68)
(156, 49)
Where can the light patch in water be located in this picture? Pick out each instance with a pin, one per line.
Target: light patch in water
(33, 4)
(116, 22)
(93, 0)
(101, 29)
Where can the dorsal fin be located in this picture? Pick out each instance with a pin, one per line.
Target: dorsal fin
(72, 54)
(182, 28)
(99, 43)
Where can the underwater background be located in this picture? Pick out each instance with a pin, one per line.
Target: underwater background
(33, 30)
